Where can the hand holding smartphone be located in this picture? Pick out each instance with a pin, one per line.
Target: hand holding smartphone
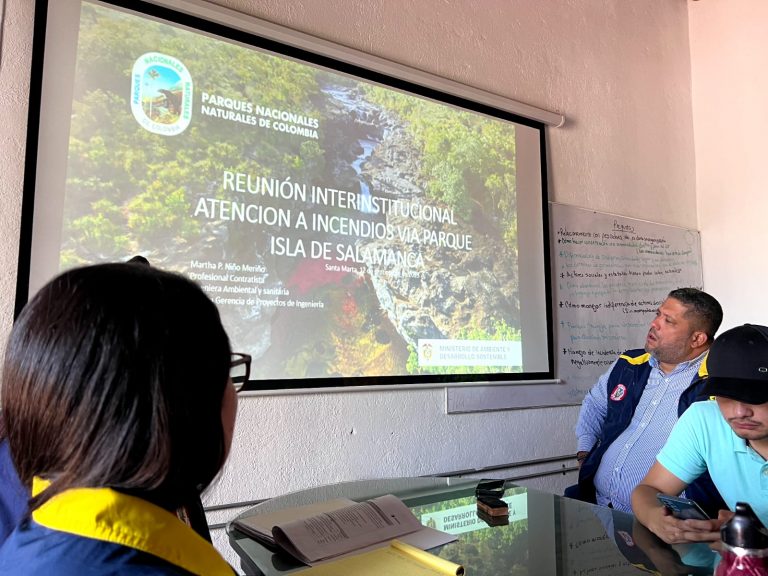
(682, 508)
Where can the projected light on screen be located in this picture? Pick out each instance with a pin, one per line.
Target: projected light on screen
(350, 229)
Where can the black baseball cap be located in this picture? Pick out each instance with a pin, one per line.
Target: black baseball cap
(737, 365)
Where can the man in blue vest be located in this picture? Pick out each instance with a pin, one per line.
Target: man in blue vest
(628, 415)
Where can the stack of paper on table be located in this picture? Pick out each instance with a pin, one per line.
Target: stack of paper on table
(338, 528)
(397, 559)
(259, 527)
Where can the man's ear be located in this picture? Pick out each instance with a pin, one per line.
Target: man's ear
(699, 338)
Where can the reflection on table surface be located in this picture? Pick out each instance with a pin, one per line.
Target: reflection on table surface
(546, 535)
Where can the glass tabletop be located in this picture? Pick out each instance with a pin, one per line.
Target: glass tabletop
(544, 535)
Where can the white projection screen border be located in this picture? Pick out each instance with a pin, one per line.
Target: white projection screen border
(356, 221)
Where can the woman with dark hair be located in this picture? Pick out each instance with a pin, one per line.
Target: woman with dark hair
(117, 402)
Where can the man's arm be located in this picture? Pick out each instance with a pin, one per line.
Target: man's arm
(654, 516)
(592, 415)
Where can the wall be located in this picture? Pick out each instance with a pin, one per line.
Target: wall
(619, 71)
(729, 53)
(15, 58)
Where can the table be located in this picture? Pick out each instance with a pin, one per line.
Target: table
(547, 535)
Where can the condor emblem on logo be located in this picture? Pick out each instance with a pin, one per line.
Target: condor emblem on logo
(161, 94)
(618, 393)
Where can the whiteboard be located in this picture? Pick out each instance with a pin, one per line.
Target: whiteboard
(609, 274)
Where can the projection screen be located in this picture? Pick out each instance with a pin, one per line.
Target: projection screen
(353, 227)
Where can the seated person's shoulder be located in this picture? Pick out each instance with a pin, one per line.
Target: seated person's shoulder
(13, 496)
(703, 409)
(44, 551)
(702, 417)
(635, 356)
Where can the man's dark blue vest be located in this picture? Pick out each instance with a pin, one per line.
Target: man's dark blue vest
(632, 371)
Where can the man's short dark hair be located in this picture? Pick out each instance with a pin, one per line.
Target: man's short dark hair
(707, 311)
(114, 376)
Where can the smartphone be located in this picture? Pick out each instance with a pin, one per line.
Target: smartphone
(492, 488)
(682, 508)
(492, 506)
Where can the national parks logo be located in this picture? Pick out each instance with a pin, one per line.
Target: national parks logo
(161, 94)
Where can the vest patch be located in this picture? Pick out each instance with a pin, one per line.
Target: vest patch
(619, 393)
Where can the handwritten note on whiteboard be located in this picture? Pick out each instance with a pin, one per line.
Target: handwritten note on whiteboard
(609, 275)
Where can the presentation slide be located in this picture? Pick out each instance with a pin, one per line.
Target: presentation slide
(344, 228)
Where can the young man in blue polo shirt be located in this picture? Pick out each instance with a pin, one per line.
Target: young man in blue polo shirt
(728, 438)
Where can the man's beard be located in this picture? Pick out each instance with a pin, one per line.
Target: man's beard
(668, 354)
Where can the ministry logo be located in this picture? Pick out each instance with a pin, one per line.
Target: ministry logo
(161, 94)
